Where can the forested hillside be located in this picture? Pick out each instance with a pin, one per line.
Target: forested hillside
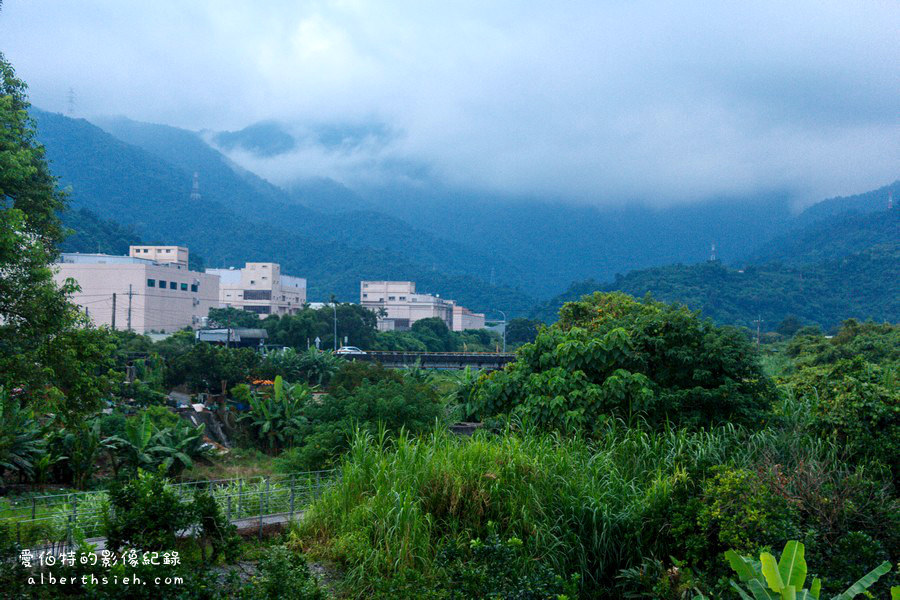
(832, 236)
(864, 285)
(240, 217)
(89, 233)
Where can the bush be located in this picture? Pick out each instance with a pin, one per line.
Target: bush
(282, 573)
(389, 403)
(857, 404)
(145, 513)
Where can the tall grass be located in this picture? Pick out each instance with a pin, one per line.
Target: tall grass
(580, 506)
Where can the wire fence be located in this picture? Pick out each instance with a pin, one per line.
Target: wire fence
(53, 519)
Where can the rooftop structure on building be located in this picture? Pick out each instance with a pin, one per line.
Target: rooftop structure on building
(233, 337)
(260, 288)
(162, 254)
(144, 295)
(398, 306)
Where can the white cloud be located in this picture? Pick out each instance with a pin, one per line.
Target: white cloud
(598, 101)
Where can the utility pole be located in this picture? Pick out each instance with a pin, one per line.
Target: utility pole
(334, 308)
(130, 294)
(114, 312)
(759, 321)
(504, 327)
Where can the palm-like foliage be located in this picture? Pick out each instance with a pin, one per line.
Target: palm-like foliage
(313, 366)
(144, 446)
(277, 418)
(21, 438)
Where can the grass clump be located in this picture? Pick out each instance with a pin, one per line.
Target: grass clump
(578, 508)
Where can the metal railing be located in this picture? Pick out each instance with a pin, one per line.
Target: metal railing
(53, 519)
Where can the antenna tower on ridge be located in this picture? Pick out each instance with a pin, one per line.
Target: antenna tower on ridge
(195, 188)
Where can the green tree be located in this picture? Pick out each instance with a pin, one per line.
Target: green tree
(232, 317)
(522, 331)
(44, 345)
(610, 354)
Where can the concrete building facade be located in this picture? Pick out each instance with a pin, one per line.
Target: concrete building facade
(260, 288)
(398, 306)
(463, 319)
(162, 254)
(150, 296)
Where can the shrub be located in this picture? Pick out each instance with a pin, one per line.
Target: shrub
(390, 404)
(282, 573)
(857, 404)
(145, 513)
(738, 511)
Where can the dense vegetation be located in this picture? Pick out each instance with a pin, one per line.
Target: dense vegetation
(634, 449)
(630, 503)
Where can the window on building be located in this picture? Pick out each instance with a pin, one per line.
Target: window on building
(403, 297)
(260, 310)
(194, 287)
(257, 294)
(162, 284)
(392, 297)
(173, 285)
(365, 295)
(264, 277)
(184, 287)
(168, 250)
(365, 285)
(151, 283)
(252, 281)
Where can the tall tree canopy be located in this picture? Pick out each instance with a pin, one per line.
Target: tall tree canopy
(45, 350)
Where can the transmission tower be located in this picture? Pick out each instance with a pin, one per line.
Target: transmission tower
(195, 187)
(71, 101)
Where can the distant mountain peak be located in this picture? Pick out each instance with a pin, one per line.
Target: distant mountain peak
(264, 139)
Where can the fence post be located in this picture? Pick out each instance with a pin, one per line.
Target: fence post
(268, 494)
(75, 508)
(229, 509)
(259, 535)
(292, 497)
(240, 497)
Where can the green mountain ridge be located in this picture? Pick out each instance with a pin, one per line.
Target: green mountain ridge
(238, 219)
(857, 276)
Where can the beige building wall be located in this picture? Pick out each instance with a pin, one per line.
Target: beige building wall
(161, 254)
(163, 297)
(261, 288)
(400, 306)
(463, 319)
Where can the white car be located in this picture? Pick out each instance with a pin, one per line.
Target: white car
(350, 351)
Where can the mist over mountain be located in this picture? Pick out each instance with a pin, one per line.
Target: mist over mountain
(485, 250)
(243, 218)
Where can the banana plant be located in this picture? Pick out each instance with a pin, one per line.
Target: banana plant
(145, 447)
(768, 579)
(22, 441)
(278, 418)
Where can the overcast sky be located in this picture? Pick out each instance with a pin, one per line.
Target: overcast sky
(593, 101)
